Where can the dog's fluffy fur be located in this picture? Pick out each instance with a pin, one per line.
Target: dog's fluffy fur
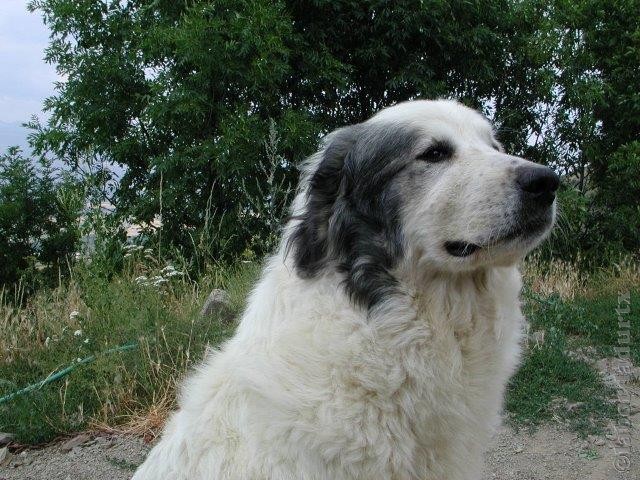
(380, 338)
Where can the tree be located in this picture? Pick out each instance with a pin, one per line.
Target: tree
(597, 121)
(182, 93)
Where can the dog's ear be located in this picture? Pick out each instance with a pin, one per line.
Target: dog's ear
(310, 239)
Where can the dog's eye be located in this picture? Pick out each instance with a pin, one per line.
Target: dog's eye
(436, 153)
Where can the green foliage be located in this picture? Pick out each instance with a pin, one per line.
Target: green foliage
(597, 118)
(618, 204)
(179, 93)
(571, 227)
(552, 376)
(265, 211)
(93, 314)
(182, 94)
(549, 380)
(39, 212)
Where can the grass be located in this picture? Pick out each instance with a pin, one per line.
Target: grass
(133, 391)
(574, 314)
(90, 315)
(122, 464)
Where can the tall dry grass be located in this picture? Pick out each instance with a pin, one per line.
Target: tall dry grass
(155, 306)
(566, 280)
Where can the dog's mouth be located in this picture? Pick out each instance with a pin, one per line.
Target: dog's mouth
(461, 248)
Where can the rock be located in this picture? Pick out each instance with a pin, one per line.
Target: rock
(218, 303)
(105, 442)
(5, 438)
(597, 441)
(571, 407)
(537, 338)
(74, 442)
(25, 459)
(5, 456)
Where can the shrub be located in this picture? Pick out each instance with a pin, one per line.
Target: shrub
(39, 214)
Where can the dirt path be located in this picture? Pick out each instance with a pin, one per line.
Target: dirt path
(550, 453)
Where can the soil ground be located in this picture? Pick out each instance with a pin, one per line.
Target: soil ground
(550, 452)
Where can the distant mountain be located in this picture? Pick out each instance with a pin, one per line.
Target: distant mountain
(13, 134)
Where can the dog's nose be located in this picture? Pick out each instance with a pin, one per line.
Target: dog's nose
(537, 183)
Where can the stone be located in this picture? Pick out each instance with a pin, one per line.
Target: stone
(218, 303)
(572, 407)
(597, 441)
(76, 441)
(5, 438)
(5, 456)
(537, 338)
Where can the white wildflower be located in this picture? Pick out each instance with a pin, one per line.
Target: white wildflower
(47, 341)
(77, 333)
(73, 314)
(86, 341)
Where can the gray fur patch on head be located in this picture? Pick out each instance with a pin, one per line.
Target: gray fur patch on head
(351, 219)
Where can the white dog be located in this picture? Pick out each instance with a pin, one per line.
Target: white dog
(380, 338)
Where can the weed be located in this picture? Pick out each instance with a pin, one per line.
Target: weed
(156, 304)
(92, 314)
(576, 312)
(122, 464)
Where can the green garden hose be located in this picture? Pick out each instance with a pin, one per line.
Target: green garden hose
(66, 371)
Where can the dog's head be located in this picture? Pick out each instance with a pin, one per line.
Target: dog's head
(425, 182)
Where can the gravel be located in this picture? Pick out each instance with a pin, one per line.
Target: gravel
(99, 458)
(551, 453)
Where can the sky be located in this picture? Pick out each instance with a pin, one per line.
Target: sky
(25, 79)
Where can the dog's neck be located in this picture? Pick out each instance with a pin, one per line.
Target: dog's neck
(414, 291)
(453, 299)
